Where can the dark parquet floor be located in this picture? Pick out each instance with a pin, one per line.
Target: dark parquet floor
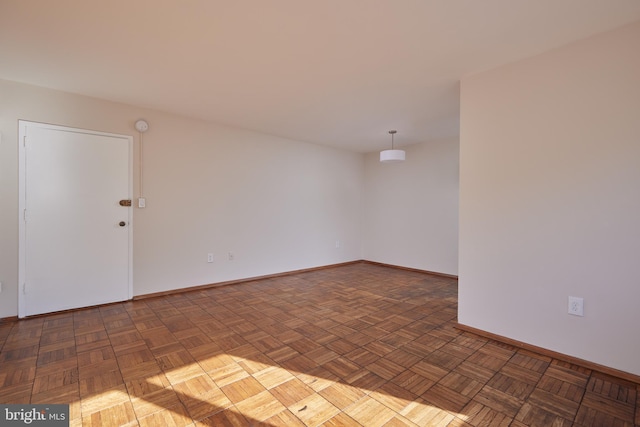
(359, 344)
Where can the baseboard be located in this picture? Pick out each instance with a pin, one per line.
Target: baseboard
(240, 281)
(283, 274)
(417, 270)
(550, 353)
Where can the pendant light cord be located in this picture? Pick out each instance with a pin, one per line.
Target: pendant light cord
(392, 133)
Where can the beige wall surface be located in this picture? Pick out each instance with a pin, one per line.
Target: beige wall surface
(278, 205)
(550, 199)
(411, 208)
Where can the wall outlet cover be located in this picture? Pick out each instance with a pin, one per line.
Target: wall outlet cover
(576, 306)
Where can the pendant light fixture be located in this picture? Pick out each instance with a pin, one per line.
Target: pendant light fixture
(393, 155)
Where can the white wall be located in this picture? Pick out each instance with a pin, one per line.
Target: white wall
(279, 205)
(411, 208)
(550, 199)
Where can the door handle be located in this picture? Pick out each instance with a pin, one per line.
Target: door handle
(122, 224)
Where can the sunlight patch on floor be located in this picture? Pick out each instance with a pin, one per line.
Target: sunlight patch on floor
(311, 398)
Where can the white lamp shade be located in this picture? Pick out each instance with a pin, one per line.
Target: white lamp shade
(392, 156)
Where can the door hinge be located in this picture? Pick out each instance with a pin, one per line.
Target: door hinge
(24, 141)
(24, 288)
(24, 215)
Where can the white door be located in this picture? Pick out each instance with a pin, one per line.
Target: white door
(75, 238)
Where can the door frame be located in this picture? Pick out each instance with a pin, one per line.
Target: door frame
(23, 126)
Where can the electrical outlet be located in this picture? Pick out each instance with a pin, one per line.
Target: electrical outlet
(337, 244)
(231, 256)
(209, 257)
(576, 306)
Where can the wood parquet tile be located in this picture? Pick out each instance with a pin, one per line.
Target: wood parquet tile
(359, 344)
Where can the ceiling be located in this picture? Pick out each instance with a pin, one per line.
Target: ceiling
(333, 72)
